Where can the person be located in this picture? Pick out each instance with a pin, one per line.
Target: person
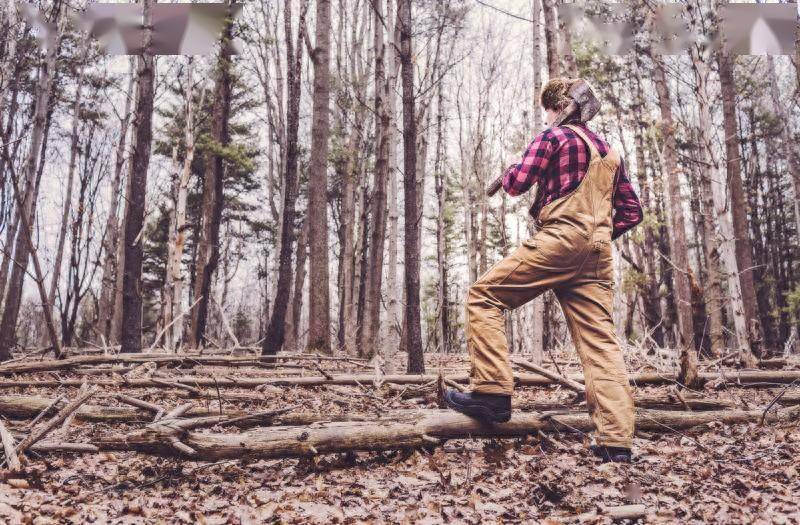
(583, 202)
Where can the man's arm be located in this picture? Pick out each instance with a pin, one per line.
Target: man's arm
(627, 208)
(518, 178)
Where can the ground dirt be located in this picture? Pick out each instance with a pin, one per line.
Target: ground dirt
(718, 474)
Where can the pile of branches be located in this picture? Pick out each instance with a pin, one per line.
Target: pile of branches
(193, 431)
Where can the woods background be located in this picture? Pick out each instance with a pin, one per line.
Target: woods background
(323, 189)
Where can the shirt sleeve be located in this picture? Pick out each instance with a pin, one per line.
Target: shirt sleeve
(627, 208)
(518, 178)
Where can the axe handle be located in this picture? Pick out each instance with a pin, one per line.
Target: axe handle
(494, 186)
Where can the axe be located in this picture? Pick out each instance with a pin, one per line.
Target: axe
(583, 104)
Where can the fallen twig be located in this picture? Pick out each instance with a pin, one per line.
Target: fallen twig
(8, 447)
(549, 374)
(39, 432)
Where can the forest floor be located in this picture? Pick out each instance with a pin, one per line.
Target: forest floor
(741, 473)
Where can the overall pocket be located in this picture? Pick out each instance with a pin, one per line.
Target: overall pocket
(604, 262)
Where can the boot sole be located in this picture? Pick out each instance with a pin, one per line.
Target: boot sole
(479, 412)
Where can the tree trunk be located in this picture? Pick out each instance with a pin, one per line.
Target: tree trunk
(319, 328)
(106, 306)
(73, 157)
(739, 208)
(789, 149)
(131, 329)
(534, 311)
(651, 301)
(391, 342)
(213, 198)
(44, 89)
(677, 238)
(273, 341)
(551, 37)
(440, 179)
(175, 278)
(422, 428)
(296, 298)
(416, 359)
(370, 332)
(722, 240)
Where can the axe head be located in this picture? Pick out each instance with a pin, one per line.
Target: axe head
(584, 105)
(588, 104)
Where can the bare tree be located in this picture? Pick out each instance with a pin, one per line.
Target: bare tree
(26, 203)
(370, 330)
(173, 287)
(741, 232)
(273, 341)
(722, 250)
(416, 361)
(131, 322)
(677, 238)
(319, 338)
(73, 157)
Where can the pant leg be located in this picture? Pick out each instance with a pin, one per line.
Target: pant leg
(510, 283)
(587, 309)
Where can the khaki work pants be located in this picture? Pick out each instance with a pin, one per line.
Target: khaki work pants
(570, 255)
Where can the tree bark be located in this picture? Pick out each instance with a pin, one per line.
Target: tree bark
(440, 179)
(293, 314)
(370, 330)
(107, 303)
(416, 359)
(213, 198)
(551, 37)
(677, 238)
(534, 342)
(391, 341)
(711, 241)
(174, 275)
(131, 322)
(739, 207)
(319, 328)
(273, 341)
(416, 429)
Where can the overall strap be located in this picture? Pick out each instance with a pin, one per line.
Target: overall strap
(589, 143)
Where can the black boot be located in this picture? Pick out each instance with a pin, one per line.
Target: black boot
(492, 408)
(612, 454)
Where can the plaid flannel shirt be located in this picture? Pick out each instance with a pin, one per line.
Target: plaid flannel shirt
(557, 160)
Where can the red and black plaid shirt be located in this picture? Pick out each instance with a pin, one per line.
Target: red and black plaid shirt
(557, 160)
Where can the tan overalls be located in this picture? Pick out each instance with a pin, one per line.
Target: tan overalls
(571, 255)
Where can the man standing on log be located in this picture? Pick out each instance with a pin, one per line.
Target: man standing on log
(584, 201)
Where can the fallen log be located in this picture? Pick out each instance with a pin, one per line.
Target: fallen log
(420, 428)
(743, 377)
(183, 359)
(24, 407)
